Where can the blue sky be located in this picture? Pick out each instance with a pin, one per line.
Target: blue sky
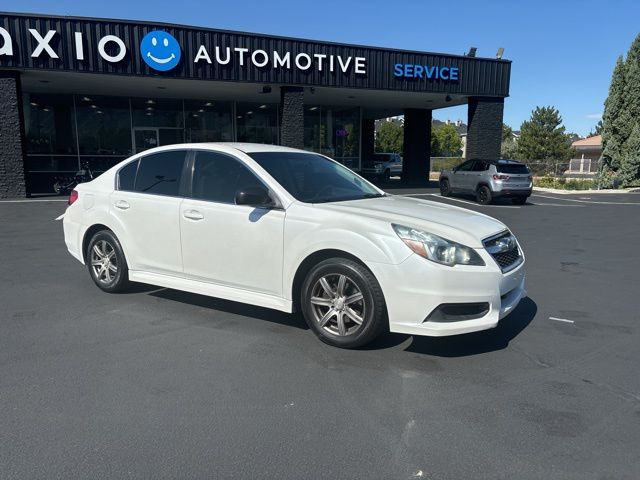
(563, 52)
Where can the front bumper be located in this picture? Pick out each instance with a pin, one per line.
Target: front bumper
(416, 287)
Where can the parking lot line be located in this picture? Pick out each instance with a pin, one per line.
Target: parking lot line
(457, 200)
(586, 201)
(561, 320)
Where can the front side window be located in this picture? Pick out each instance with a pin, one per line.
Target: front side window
(218, 177)
(465, 167)
(160, 173)
(313, 178)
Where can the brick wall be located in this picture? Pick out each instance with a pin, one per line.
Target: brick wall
(12, 182)
(484, 133)
(292, 117)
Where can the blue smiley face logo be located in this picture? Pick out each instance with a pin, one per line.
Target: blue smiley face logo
(160, 50)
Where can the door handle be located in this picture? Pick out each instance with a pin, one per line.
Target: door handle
(122, 204)
(192, 215)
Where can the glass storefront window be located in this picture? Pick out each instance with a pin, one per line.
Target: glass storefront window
(333, 131)
(49, 124)
(208, 121)
(104, 125)
(344, 135)
(257, 122)
(157, 112)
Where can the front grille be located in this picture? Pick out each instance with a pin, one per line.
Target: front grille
(504, 250)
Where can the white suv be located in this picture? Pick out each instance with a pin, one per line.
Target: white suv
(288, 229)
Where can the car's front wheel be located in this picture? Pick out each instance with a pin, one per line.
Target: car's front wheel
(106, 263)
(343, 303)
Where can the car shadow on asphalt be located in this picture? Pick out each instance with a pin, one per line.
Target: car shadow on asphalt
(469, 344)
(235, 308)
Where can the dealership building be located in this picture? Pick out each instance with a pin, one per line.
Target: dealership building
(77, 91)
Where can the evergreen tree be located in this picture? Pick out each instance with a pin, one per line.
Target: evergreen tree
(543, 138)
(597, 130)
(629, 172)
(615, 119)
(632, 88)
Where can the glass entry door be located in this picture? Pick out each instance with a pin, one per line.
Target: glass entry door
(145, 138)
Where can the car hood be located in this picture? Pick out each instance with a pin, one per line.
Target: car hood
(453, 223)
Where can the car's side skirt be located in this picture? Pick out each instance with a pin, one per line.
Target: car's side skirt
(212, 290)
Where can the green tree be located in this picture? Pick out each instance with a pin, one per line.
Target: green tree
(507, 133)
(509, 146)
(597, 130)
(390, 138)
(543, 138)
(615, 120)
(629, 172)
(447, 141)
(632, 89)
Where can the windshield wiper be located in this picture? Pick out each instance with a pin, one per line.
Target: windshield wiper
(346, 199)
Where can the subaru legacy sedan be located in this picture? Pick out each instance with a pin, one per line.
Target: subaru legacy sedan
(294, 231)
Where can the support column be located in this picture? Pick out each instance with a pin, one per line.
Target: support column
(12, 142)
(484, 131)
(368, 139)
(292, 117)
(417, 146)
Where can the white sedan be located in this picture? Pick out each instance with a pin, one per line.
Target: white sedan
(292, 230)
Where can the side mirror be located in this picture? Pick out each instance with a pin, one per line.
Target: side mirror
(254, 197)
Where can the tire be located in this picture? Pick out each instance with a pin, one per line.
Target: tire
(483, 195)
(445, 188)
(58, 188)
(386, 176)
(115, 278)
(519, 200)
(341, 329)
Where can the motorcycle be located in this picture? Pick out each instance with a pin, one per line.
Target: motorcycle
(64, 185)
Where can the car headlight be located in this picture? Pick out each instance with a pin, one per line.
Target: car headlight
(437, 249)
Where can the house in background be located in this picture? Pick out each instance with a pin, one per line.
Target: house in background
(589, 153)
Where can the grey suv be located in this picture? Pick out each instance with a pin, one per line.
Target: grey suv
(488, 179)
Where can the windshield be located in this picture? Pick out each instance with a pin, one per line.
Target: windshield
(312, 178)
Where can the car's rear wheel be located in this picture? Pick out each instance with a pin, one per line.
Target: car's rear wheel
(445, 188)
(519, 200)
(343, 303)
(483, 195)
(106, 263)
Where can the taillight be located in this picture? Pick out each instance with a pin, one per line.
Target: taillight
(73, 197)
(530, 177)
(501, 177)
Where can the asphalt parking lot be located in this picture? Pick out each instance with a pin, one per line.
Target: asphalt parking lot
(161, 384)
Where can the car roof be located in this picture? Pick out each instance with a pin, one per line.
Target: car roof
(257, 147)
(499, 161)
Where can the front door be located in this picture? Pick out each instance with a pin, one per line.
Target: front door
(145, 138)
(227, 244)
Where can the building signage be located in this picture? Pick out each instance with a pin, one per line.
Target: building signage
(122, 47)
(161, 51)
(429, 72)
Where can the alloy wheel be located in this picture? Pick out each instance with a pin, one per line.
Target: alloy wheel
(338, 305)
(104, 262)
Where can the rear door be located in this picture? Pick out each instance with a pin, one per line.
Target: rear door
(478, 174)
(146, 204)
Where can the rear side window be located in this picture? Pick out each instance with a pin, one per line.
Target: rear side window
(127, 176)
(513, 168)
(160, 173)
(480, 166)
(217, 177)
